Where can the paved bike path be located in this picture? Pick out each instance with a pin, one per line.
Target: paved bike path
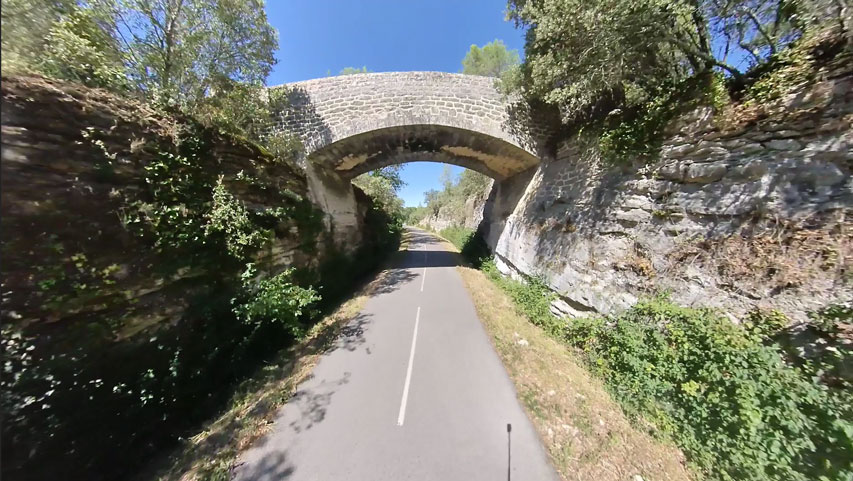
(377, 408)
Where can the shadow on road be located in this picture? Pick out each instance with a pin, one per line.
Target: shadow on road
(437, 253)
(312, 402)
(394, 278)
(273, 466)
(417, 260)
(352, 335)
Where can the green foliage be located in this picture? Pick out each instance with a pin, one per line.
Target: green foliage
(490, 60)
(381, 185)
(635, 132)
(830, 318)
(177, 51)
(353, 70)
(766, 323)
(532, 297)
(181, 50)
(793, 67)
(413, 215)
(727, 398)
(458, 236)
(240, 108)
(80, 50)
(25, 27)
(456, 192)
(586, 57)
(283, 145)
(381, 190)
(229, 217)
(276, 300)
(583, 56)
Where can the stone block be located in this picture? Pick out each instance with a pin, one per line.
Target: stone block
(784, 144)
(751, 170)
(705, 173)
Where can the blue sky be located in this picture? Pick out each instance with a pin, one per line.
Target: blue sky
(321, 37)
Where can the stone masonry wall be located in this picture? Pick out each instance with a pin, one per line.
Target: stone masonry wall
(752, 216)
(62, 213)
(356, 123)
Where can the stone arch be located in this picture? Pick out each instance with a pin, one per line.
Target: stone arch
(356, 123)
(371, 150)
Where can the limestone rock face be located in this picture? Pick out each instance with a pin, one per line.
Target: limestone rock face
(57, 203)
(449, 216)
(758, 215)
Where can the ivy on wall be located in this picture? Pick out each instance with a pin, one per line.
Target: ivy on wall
(193, 297)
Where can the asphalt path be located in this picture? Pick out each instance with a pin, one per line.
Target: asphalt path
(412, 390)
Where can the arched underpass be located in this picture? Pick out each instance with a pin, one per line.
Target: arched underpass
(353, 124)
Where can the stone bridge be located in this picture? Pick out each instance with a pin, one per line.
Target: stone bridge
(353, 124)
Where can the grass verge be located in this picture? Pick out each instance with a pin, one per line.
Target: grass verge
(211, 454)
(585, 432)
(731, 397)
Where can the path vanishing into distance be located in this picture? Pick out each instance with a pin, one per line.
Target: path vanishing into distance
(413, 390)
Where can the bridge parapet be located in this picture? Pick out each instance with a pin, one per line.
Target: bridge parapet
(355, 123)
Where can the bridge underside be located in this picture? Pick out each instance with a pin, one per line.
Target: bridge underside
(361, 153)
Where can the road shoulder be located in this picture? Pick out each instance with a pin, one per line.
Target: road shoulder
(586, 434)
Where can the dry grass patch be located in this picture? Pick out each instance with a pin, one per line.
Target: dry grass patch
(586, 433)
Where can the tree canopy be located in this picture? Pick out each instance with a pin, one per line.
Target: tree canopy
(176, 50)
(382, 186)
(353, 70)
(580, 53)
(456, 191)
(490, 60)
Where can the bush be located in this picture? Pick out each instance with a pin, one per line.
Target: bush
(532, 298)
(729, 400)
(470, 243)
(723, 392)
(458, 236)
(277, 300)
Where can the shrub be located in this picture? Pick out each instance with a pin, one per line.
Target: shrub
(722, 392)
(277, 300)
(532, 298)
(470, 243)
(729, 400)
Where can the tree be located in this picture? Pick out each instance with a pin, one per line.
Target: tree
(447, 178)
(26, 28)
(580, 53)
(382, 186)
(183, 50)
(492, 60)
(178, 50)
(472, 184)
(392, 174)
(456, 192)
(382, 192)
(433, 200)
(353, 70)
(80, 49)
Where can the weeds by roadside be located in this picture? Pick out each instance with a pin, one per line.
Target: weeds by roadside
(584, 431)
(722, 392)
